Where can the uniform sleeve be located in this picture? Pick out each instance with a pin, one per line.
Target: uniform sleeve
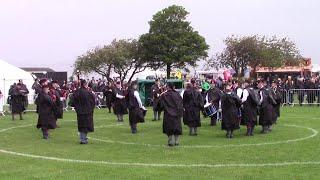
(261, 97)
(137, 96)
(119, 96)
(245, 95)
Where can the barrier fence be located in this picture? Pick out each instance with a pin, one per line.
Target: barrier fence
(301, 97)
(290, 97)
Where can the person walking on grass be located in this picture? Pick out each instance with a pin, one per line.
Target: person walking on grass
(192, 104)
(83, 101)
(172, 104)
(46, 116)
(136, 109)
(230, 104)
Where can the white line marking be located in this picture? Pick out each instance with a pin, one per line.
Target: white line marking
(7, 129)
(161, 164)
(111, 125)
(315, 133)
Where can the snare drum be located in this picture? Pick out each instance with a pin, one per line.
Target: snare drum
(209, 110)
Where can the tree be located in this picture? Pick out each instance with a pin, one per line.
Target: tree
(120, 56)
(255, 51)
(126, 59)
(171, 42)
(97, 60)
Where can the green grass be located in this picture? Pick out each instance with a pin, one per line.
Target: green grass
(64, 144)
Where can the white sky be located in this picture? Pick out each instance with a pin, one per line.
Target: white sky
(52, 33)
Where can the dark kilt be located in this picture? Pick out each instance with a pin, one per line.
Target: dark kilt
(85, 123)
(136, 116)
(46, 121)
(171, 125)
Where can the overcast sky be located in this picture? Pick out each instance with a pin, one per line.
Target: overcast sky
(52, 33)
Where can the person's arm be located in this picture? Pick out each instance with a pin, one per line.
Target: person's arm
(137, 96)
(239, 92)
(261, 97)
(119, 96)
(245, 95)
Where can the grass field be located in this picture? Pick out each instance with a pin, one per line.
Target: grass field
(290, 151)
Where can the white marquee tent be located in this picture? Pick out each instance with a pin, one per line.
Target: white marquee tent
(10, 74)
(315, 68)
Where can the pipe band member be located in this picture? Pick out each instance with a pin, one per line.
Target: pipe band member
(213, 96)
(192, 105)
(136, 109)
(156, 90)
(83, 100)
(120, 104)
(230, 103)
(172, 104)
(56, 94)
(250, 100)
(18, 93)
(266, 114)
(46, 116)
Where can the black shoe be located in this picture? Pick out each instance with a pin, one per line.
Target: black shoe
(170, 145)
(134, 131)
(231, 135)
(248, 131)
(177, 144)
(228, 135)
(251, 132)
(264, 131)
(83, 142)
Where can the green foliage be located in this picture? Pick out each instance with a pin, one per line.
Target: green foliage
(171, 41)
(120, 56)
(255, 51)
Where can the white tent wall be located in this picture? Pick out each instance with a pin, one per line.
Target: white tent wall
(9, 75)
(315, 68)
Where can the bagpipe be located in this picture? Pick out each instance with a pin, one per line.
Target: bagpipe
(52, 94)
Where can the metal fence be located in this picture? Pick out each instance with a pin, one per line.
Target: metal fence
(290, 97)
(301, 97)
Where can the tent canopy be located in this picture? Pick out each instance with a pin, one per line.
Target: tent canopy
(315, 68)
(10, 74)
(145, 88)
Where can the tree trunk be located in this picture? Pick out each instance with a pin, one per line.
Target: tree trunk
(168, 70)
(108, 74)
(133, 73)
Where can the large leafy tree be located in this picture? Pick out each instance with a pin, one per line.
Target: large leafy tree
(171, 42)
(126, 59)
(120, 56)
(97, 60)
(255, 51)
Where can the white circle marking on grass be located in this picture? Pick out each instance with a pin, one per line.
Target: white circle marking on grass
(160, 164)
(315, 132)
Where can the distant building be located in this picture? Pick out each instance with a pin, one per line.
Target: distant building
(35, 70)
(303, 69)
(44, 72)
